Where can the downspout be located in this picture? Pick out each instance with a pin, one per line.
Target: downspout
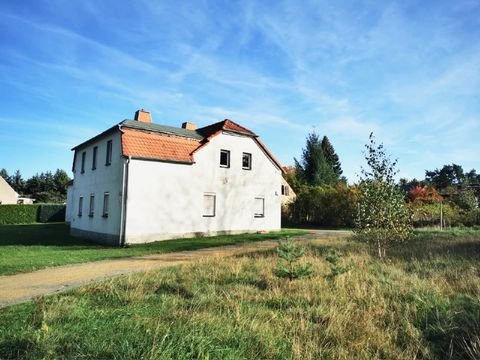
(123, 215)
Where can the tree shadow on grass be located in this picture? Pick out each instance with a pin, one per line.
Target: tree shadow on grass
(56, 234)
(420, 250)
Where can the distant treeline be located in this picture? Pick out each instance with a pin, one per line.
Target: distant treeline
(324, 198)
(46, 187)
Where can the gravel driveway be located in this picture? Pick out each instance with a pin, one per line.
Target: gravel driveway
(23, 287)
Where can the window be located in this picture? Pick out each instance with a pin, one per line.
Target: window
(84, 155)
(259, 207)
(92, 205)
(285, 190)
(108, 159)
(247, 161)
(225, 158)
(209, 201)
(74, 161)
(80, 206)
(94, 158)
(106, 197)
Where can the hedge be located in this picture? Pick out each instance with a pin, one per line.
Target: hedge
(18, 214)
(51, 213)
(28, 214)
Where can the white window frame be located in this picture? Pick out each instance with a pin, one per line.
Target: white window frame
(224, 151)
(249, 157)
(255, 212)
(213, 212)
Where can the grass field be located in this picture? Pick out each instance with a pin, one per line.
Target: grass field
(32, 247)
(422, 303)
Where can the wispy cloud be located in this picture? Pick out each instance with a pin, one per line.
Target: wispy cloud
(409, 72)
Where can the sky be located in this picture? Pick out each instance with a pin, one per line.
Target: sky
(408, 71)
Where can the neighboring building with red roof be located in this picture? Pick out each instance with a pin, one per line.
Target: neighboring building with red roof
(140, 182)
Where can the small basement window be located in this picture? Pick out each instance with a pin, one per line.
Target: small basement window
(225, 158)
(247, 161)
(259, 210)
(209, 205)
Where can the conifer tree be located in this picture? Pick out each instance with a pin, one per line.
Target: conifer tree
(331, 156)
(314, 168)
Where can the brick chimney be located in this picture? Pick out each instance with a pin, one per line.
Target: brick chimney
(189, 126)
(143, 116)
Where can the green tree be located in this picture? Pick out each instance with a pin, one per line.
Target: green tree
(466, 199)
(288, 265)
(4, 175)
(33, 185)
(292, 178)
(447, 176)
(48, 187)
(384, 218)
(314, 168)
(61, 180)
(331, 157)
(17, 182)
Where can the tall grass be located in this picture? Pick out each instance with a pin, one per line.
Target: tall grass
(422, 303)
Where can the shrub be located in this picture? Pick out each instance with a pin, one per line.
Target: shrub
(288, 266)
(323, 206)
(28, 214)
(333, 258)
(51, 213)
(18, 214)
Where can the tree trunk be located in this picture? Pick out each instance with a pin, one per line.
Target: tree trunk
(379, 248)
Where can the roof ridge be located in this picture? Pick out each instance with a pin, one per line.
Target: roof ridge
(162, 129)
(226, 121)
(225, 125)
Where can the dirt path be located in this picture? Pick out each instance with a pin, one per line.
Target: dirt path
(23, 287)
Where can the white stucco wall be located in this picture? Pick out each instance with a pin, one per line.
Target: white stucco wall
(105, 178)
(7, 194)
(69, 206)
(165, 200)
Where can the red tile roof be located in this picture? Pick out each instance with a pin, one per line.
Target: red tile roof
(225, 125)
(147, 145)
(157, 145)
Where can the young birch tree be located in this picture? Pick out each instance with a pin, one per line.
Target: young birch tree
(383, 216)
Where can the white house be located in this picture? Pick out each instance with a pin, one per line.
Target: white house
(139, 182)
(7, 194)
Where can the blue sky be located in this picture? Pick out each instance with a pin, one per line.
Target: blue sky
(407, 70)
